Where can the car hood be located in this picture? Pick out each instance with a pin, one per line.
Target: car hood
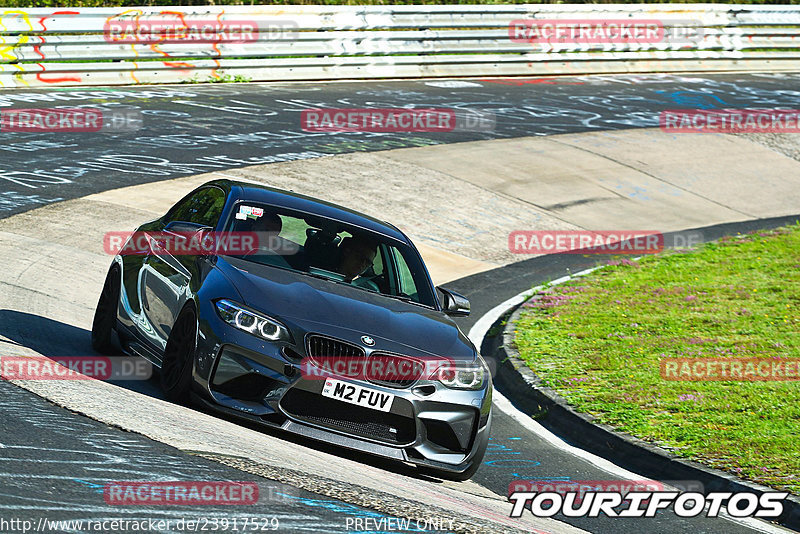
(308, 304)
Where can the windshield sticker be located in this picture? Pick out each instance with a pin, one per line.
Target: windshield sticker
(249, 212)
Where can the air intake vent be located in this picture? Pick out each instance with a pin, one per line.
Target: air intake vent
(389, 428)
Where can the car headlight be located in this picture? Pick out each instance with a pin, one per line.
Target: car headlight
(251, 322)
(462, 375)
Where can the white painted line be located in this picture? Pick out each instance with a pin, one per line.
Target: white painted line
(479, 329)
(476, 335)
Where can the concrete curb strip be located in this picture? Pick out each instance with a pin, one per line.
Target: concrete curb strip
(357, 495)
(472, 508)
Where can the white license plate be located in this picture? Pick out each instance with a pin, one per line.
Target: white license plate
(354, 394)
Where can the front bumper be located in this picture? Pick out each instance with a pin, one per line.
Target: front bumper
(428, 423)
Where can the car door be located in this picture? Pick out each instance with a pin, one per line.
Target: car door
(166, 270)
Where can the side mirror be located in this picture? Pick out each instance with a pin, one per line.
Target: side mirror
(453, 304)
(200, 240)
(205, 238)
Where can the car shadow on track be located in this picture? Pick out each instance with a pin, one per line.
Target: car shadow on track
(54, 339)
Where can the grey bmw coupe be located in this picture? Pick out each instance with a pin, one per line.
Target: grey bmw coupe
(305, 316)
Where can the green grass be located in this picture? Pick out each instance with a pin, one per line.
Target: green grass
(221, 78)
(598, 341)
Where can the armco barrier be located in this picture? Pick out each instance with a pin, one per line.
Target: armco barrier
(78, 46)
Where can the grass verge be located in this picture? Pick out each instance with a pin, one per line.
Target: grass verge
(599, 341)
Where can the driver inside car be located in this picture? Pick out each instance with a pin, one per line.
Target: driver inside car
(356, 255)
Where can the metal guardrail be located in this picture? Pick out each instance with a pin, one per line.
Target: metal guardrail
(89, 46)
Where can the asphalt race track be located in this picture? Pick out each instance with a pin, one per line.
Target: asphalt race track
(52, 460)
(192, 129)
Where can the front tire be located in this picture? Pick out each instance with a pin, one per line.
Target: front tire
(105, 315)
(178, 361)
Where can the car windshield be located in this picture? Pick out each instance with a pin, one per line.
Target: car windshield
(332, 250)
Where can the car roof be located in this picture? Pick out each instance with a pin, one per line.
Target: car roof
(252, 192)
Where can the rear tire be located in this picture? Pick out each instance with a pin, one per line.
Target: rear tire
(178, 361)
(105, 315)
